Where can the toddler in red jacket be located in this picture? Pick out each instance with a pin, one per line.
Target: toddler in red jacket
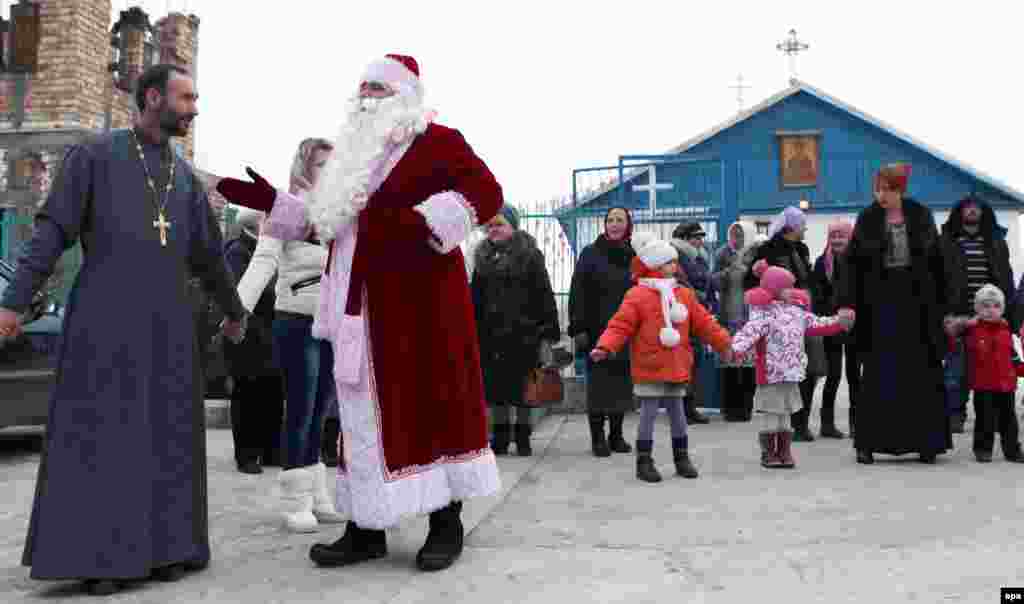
(992, 375)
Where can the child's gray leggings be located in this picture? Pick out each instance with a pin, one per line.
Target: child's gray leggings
(649, 412)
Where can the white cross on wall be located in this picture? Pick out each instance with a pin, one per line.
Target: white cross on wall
(653, 188)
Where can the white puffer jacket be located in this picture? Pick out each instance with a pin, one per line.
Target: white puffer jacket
(298, 265)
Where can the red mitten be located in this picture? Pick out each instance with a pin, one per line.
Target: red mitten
(256, 195)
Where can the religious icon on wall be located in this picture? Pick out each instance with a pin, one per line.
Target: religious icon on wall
(798, 156)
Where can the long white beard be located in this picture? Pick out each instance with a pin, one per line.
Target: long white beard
(373, 128)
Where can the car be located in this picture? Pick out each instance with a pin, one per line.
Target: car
(28, 362)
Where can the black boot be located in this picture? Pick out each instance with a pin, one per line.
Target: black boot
(681, 457)
(444, 541)
(500, 436)
(616, 443)
(102, 587)
(599, 443)
(329, 445)
(693, 415)
(356, 545)
(801, 429)
(645, 469)
(523, 432)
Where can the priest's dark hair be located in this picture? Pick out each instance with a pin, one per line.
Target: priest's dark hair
(157, 77)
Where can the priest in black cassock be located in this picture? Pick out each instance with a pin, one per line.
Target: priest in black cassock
(121, 492)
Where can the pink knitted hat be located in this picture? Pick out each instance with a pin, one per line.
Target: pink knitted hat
(775, 283)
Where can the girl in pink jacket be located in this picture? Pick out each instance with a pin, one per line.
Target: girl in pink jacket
(779, 320)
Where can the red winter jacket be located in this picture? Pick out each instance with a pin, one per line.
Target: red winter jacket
(990, 351)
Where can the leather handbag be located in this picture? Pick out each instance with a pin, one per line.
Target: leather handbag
(543, 386)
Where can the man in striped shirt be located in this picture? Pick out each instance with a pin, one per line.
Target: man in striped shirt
(976, 253)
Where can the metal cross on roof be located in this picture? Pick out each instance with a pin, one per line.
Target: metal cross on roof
(792, 46)
(653, 188)
(739, 87)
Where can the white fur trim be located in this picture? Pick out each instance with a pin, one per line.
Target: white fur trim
(376, 498)
(678, 312)
(450, 217)
(656, 253)
(395, 74)
(666, 292)
(669, 337)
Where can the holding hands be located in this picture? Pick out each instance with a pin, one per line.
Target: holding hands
(847, 318)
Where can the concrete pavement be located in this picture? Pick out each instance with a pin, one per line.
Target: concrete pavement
(571, 528)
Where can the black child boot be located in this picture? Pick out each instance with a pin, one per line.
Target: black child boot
(523, 432)
(681, 457)
(693, 415)
(645, 469)
(500, 436)
(356, 545)
(445, 539)
(616, 442)
(599, 443)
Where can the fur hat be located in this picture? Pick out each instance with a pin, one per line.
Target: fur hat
(989, 293)
(655, 253)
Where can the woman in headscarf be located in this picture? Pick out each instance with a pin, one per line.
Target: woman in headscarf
(785, 248)
(738, 381)
(827, 271)
(599, 283)
(896, 281)
(515, 315)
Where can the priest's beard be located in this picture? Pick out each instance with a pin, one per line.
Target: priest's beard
(372, 129)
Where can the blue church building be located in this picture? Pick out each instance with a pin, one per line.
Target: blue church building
(799, 147)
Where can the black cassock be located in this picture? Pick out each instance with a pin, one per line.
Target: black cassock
(122, 483)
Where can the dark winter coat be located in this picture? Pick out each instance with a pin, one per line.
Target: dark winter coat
(899, 335)
(515, 310)
(696, 264)
(255, 355)
(824, 290)
(863, 285)
(997, 251)
(599, 284)
(793, 256)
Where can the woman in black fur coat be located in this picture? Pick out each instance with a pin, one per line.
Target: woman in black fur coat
(515, 314)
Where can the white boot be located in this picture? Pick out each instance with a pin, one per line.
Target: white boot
(323, 505)
(297, 500)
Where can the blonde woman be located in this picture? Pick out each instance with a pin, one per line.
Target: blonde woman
(305, 362)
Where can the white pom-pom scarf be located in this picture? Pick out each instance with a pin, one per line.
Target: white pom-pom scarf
(672, 311)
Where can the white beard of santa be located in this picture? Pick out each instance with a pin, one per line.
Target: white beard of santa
(374, 127)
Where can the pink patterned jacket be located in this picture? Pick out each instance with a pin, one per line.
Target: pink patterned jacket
(776, 333)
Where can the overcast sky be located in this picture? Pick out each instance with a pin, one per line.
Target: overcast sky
(541, 88)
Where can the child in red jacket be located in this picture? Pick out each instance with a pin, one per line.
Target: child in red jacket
(657, 318)
(992, 375)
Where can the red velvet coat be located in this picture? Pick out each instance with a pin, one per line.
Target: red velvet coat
(425, 351)
(990, 352)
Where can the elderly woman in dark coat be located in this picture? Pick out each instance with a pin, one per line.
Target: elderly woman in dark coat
(515, 315)
(599, 283)
(257, 399)
(896, 282)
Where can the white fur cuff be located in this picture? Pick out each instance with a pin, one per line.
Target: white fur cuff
(450, 217)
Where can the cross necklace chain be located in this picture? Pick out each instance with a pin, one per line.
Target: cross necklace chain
(161, 223)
